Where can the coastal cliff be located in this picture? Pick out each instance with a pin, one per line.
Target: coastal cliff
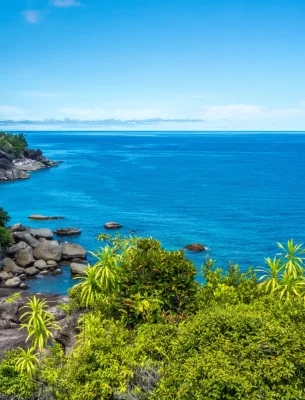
(13, 168)
(16, 159)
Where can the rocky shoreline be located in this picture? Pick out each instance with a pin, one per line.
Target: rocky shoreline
(12, 168)
(33, 252)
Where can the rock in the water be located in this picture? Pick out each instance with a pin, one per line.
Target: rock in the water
(40, 264)
(78, 269)
(13, 282)
(43, 273)
(38, 217)
(31, 271)
(112, 225)
(195, 247)
(30, 240)
(12, 250)
(73, 250)
(42, 233)
(24, 257)
(56, 271)
(48, 250)
(22, 277)
(67, 232)
(23, 286)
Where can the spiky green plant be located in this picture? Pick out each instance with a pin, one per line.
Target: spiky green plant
(272, 274)
(90, 285)
(27, 362)
(291, 258)
(39, 322)
(290, 287)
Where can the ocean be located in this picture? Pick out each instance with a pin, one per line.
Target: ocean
(236, 193)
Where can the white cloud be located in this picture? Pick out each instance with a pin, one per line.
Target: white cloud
(119, 113)
(249, 111)
(32, 16)
(66, 3)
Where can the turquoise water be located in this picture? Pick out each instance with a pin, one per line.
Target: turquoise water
(236, 193)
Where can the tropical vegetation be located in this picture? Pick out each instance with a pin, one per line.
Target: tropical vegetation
(13, 144)
(5, 236)
(149, 330)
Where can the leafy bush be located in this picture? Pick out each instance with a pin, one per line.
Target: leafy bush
(5, 237)
(14, 144)
(236, 352)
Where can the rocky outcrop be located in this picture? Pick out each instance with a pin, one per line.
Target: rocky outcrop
(17, 168)
(38, 217)
(67, 232)
(29, 256)
(112, 225)
(197, 247)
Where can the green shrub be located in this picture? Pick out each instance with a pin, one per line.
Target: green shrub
(14, 144)
(5, 237)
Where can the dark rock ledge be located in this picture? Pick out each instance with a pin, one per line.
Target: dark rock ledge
(12, 168)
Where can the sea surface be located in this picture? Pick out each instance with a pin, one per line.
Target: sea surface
(238, 193)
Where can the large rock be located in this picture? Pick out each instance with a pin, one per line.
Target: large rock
(12, 250)
(38, 217)
(10, 266)
(42, 233)
(13, 282)
(18, 236)
(112, 225)
(48, 250)
(40, 264)
(31, 271)
(78, 269)
(73, 250)
(30, 240)
(67, 232)
(195, 247)
(4, 276)
(24, 257)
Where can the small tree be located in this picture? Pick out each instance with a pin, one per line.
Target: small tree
(5, 237)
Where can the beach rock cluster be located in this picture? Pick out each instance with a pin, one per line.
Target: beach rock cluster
(33, 252)
(12, 168)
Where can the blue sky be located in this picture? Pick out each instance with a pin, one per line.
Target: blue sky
(152, 64)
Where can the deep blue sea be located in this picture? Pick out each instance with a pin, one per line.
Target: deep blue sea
(236, 193)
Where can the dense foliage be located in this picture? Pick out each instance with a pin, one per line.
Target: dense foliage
(14, 144)
(149, 331)
(5, 236)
